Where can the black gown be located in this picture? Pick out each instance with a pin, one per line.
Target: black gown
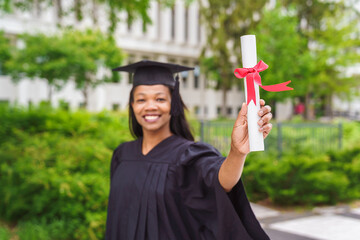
(173, 192)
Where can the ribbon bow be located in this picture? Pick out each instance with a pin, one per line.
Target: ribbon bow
(252, 76)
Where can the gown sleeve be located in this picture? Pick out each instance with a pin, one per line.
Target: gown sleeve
(219, 215)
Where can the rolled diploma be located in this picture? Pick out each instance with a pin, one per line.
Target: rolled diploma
(249, 59)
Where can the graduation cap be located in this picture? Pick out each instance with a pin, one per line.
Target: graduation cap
(151, 73)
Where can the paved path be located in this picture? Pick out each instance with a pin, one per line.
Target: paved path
(328, 223)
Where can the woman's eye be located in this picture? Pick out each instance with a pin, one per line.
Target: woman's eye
(140, 100)
(160, 99)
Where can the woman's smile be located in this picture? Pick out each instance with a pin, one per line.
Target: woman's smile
(150, 118)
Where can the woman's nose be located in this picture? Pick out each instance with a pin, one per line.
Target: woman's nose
(151, 105)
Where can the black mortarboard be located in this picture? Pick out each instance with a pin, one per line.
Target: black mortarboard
(151, 73)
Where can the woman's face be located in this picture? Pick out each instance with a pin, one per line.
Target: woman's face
(151, 105)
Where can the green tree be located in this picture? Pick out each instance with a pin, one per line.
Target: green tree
(4, 52)
(92, 52)
(284, 49)
(86, 57)
(337, 49)
(329, 31)
(225, 21)
(44, 57)
(80, 8)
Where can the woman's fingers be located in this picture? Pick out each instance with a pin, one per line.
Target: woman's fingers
(262, 102)
(265, 119)
(266, 116)
(266, 129)
(264, 110)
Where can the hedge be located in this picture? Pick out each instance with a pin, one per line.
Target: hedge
(54, 172)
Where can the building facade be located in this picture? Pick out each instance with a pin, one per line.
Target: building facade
(175, 35)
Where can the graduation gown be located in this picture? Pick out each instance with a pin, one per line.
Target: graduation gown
(173, 192)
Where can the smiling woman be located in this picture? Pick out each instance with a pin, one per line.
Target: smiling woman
(166, 186)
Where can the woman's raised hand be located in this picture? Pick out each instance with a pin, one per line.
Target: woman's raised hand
(240, 137)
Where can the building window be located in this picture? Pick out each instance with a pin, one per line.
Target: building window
(229, 110)
(197, 110)
(82, 105)
(205, 110)
(185, 76)
(196, 77)
(130, 78)
(196, 82)
(186, 36)
(184, 81)
(173, 23)
(218, 110)
(116, 107)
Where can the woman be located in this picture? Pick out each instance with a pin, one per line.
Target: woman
(166, 186)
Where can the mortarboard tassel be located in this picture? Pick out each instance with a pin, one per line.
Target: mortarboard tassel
(176, 107)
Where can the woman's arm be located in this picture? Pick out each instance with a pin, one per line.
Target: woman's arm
(231, 169)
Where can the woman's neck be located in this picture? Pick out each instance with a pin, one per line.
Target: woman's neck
(150, 140)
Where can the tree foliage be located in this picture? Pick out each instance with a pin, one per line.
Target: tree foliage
(92, 53)
(81, 9)
(225, 21)
(284, 49)
(310, 42)
(4, 52)
(42, 56)
(329, 28)
(81, 56)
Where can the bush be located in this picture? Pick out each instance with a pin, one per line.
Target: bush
(54, 172)
(53, 177)
(4, 233)
(348, 161)
(351, 135)
(40, 230)
(105, 126)
(31, 231)
(303, 177)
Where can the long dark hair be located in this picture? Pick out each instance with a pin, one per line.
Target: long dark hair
(178, 124)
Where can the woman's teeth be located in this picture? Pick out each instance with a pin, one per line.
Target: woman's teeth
(151, 117)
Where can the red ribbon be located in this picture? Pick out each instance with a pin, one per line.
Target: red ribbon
(252, 76)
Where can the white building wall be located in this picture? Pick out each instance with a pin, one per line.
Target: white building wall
(8, 90)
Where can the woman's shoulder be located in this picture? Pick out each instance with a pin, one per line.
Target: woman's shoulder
(125, 145)
(190, 151)
(199, 147)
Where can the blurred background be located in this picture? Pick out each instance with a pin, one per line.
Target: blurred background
(63, 111)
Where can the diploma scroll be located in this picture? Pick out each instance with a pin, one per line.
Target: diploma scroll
(249, 59)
